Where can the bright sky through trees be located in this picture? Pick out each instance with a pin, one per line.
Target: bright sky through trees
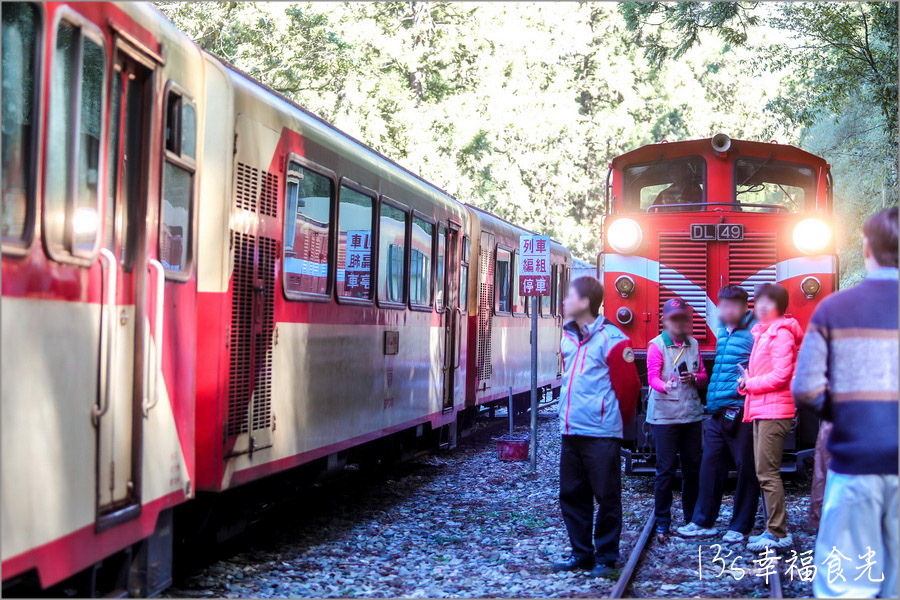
(518, 107)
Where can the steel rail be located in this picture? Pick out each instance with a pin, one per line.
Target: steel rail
(628, 570)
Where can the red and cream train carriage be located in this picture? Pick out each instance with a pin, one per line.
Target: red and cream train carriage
(203, 284)
(685, 218)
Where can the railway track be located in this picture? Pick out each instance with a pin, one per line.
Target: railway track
(643, 542)
(625, 577)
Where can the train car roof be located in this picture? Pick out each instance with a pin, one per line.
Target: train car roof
(703, 146)
(360, 151)
(495, 220)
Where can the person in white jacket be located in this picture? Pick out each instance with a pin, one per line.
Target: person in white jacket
(600, 391)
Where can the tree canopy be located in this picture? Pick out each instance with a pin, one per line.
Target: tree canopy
(519, 107)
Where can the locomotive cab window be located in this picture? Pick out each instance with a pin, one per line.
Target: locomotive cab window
(765, 185)
(391, 254)
(308, 215)
(71, 216)
(175, 230)
(420, 263)
(20, 46)
(354, 269)
(677, 184)
(502, 281)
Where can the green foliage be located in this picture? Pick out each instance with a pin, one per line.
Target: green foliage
(667, 30)
(519, 107)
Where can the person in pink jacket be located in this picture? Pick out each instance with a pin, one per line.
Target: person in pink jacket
(770, 406)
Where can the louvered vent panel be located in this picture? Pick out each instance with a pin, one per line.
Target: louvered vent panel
(485, 301)
(247, 187)
(751, 262)
(682, 272)
(268, 199)
(262, 386)
(240, 378)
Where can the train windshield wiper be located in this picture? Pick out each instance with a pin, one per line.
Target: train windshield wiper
(755, 171)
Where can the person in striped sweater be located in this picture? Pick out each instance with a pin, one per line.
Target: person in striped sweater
(847, 373)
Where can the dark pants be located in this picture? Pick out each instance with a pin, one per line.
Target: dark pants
(674, 443)
(589, 468)
(720, 448)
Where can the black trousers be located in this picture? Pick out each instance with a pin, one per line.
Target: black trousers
(720, 448)
(680, 442)
(589, 468)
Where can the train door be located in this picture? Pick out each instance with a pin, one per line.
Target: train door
(119, 417)
(483, 363)
(448, 252)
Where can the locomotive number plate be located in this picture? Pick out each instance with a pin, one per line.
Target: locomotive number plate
(711, 232)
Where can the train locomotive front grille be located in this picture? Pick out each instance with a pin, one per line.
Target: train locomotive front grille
(751, 262)
(683, 266)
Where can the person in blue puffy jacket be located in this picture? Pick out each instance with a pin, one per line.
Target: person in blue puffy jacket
(725, 435)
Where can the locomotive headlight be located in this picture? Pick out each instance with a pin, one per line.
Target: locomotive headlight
(812, 235)
(624, 316)
(810, 286)
(625, 236)
(625, 285)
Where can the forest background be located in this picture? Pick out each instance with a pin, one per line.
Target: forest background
(518, 108)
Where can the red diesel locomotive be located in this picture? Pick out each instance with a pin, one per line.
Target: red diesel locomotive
(686, 218)
(203, 285)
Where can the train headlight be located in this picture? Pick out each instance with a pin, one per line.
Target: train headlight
(810, 286)
(812, 235)
(624, 316)
(625, 285)
(625, 235)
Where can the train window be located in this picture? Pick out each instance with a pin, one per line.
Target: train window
(112, 163)
(20, 44)
(502, 279)
(307, 232)
(391, 253)
(175, 231)
(678, 183)
(354, 268)
(547, 301)
(763, 185)
(420, 262)
(463, 300)
(71, 213)
(441, 265)
(519, 301)
(188, 130)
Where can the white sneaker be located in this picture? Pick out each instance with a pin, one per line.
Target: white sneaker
(694, 530)
(768, 540)
(755, 538)
(732, 537)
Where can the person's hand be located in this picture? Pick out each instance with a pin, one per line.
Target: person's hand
(688, 378)
(742, 383)
(669, 386)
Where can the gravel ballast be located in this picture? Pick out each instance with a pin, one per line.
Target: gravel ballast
(465, 524)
